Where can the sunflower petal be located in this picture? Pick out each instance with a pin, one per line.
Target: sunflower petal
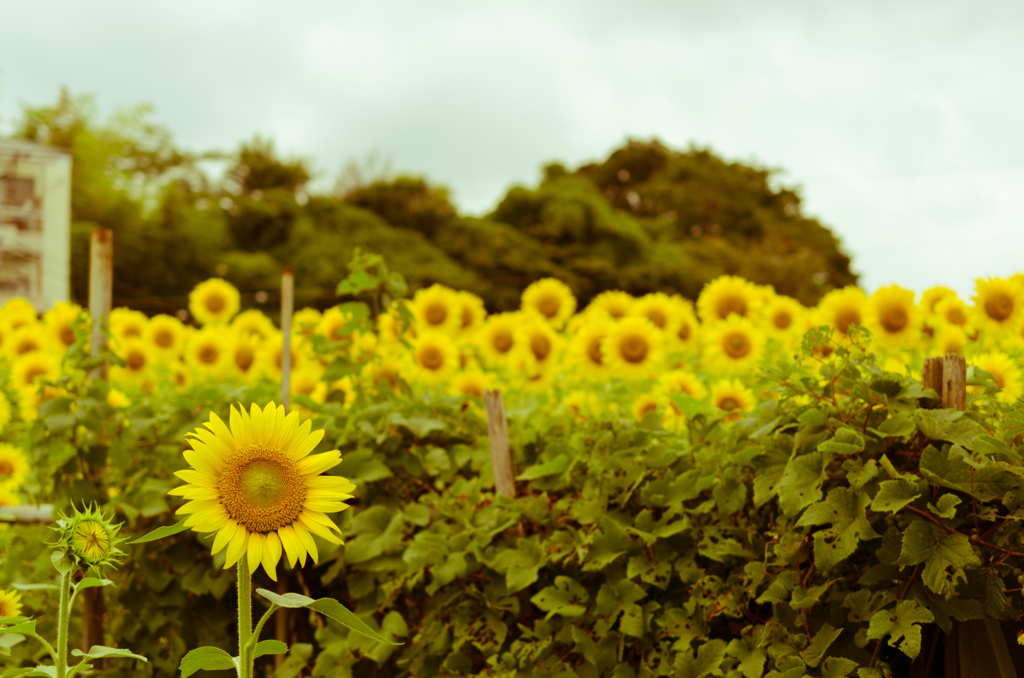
(220, 430)
(316, 464)
(255, 551)
(290, 543)
(224, 535)
(307, 445)
(237, 547)
(195, 477)
(271, 554)
(318, 529)
(307, 541)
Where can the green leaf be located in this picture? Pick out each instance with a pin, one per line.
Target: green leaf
(751, 658)
(357, 282)
(893, 495)
(420, 426)
(614, 596)
(813, 417)
(945, 555)
(206, 658)
(800, 485)
(837, 667)
(27, 628)
(330, 607)
(89, 582)
(845, 441)
(947, 467)
(289, 600)
(265, 647)
(551, 468)
(161, 532)
(946, 507)
(825, 636)
(566, 598)
(949, 425)
(689, 406)
(902, 622)
(845, 511)
(102, 652)
(899, 425)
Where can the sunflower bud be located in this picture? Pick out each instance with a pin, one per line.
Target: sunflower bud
(89, 539)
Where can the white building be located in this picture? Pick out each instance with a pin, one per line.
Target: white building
(35, 223)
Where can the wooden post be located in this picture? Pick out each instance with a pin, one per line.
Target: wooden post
(931, 375)
(101, 286)
(497, 432)
(954, 382)
(287, 309)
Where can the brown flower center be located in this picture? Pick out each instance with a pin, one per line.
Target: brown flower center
(244, 358)
(548, 306)
(6, 468)
(594, 351)
(657, 316)
(633, 349)
(436, 314)
(736, 345)
(261, 488)
(728, 403)
(782, 319)
(732, 304)
(215, 303)
(208, 354)
(541, 347)
(502, 341)
(135, 361)
(847, 317)
(894, 318)
(163, 338)
(67, 335)
(999, 306)
(431, 357)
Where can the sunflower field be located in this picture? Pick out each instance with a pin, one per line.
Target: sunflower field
(740, 486)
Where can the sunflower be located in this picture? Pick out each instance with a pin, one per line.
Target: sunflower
(8, 497)
(166, 335)
(657, 307)
(363, 347)
(783, 316)
(471, 383)
(437, 308)
(632, 349)
(728, 295)
(732, 397)
(117, 399)
(256, 485)
(208, 351)
(332, 325)
(434, 356)
(10, 604)
(33, 367)
(501, 339)
(931, 298)
(584, 350)
(582, 403)
(733, 345)
(950, 339)
(244, 353)
(124, 322)
(551, 298)
(682, 381)
(684, 331)
(1006, 373)
(308, 382)
(138, 359)
(14, 466)
(644, 404)
(254, 322)
(271, 356)
(952, 310)
(24, 340)
(998, 304)
(304, 322)
(383, 373)
(892, 317)
(214, 301)
(613, 304)
(59, 319)
(343, 391)
(5, 412)
(472, 313)
(544, 343)
(841, 308)
(18, 312)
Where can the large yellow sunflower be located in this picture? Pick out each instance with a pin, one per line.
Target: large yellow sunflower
(14, 466)
(209, 351)
(10, 604)
(657, 307)
(931, 298)
(304, 322)
(952, 310)
(437, 308)
(257, 486)
(33, 367)
(551, 298)
(214, 301)
(998, 304)
(17, 313)
(783, 316)
(1006, 372)
(271, 356)
(24, 340)
(892, 317)
(732, 397)
(244, 354)
(842, 308)
(58, 322)
(544, 343)
(733, 345)
(166, 335)
(138, 359)
(584, 350)
(632, 348)
(501, 339)
(684, 331)
(613, 304)
(434, 357)
(255, 323)
(473, 312)
(332, 325)
(728, 295)
(125, 322)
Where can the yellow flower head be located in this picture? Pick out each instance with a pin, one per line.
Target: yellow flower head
(614, 304)
(1006, 372)
(25, 340)
(137, 356)
(124, 322)
(501, 339)
(728, 295)
(472, 313)
(31, 368)
(17, 313)
(271, 356)
(682, 381)
(437, 308)
(5, 412)
(434, 357)
(214, 302)
(951, 310)
(59, 319)
(332, 325)
(166, 335)
(733, 345)
(543, 341)
(632, 348)
(998, 304)
(950, 339)
(14, 466)
(584, 350)
(783, 316)
(684, 331)
(89, 539)
(842, 308)
(657, 307)
(552, 299)
(117, 399)
(304, 322)
(244, 356)
(471, 383)
(931, 298)
(892, 317)
(209, 351)
(10, 604)
(256, 485)
(254, 323)
(644, 404)
(732, 397)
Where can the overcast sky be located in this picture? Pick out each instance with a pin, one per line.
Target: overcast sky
(903, 123)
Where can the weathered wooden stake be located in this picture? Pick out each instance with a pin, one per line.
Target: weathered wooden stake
(954, 382)
(931, 375)
(101, 286)
(287, 309)
(497, 432)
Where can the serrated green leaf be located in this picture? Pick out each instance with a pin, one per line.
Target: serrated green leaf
(949, 425)
(945, 555)
(566, 598)
(837, 667)
(898, 425)
(816, 416)
(845, 441)
(902, 625)
(751, 658)
(550, 468)
(825, 636)
(946, 506)
(205, 658)
(800, 485)
(893, 495)
(845, 511)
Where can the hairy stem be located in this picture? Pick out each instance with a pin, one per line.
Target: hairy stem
(63, 623)
(245, 660)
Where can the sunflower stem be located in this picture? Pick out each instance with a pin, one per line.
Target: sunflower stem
(63, 623)
(245, 660)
